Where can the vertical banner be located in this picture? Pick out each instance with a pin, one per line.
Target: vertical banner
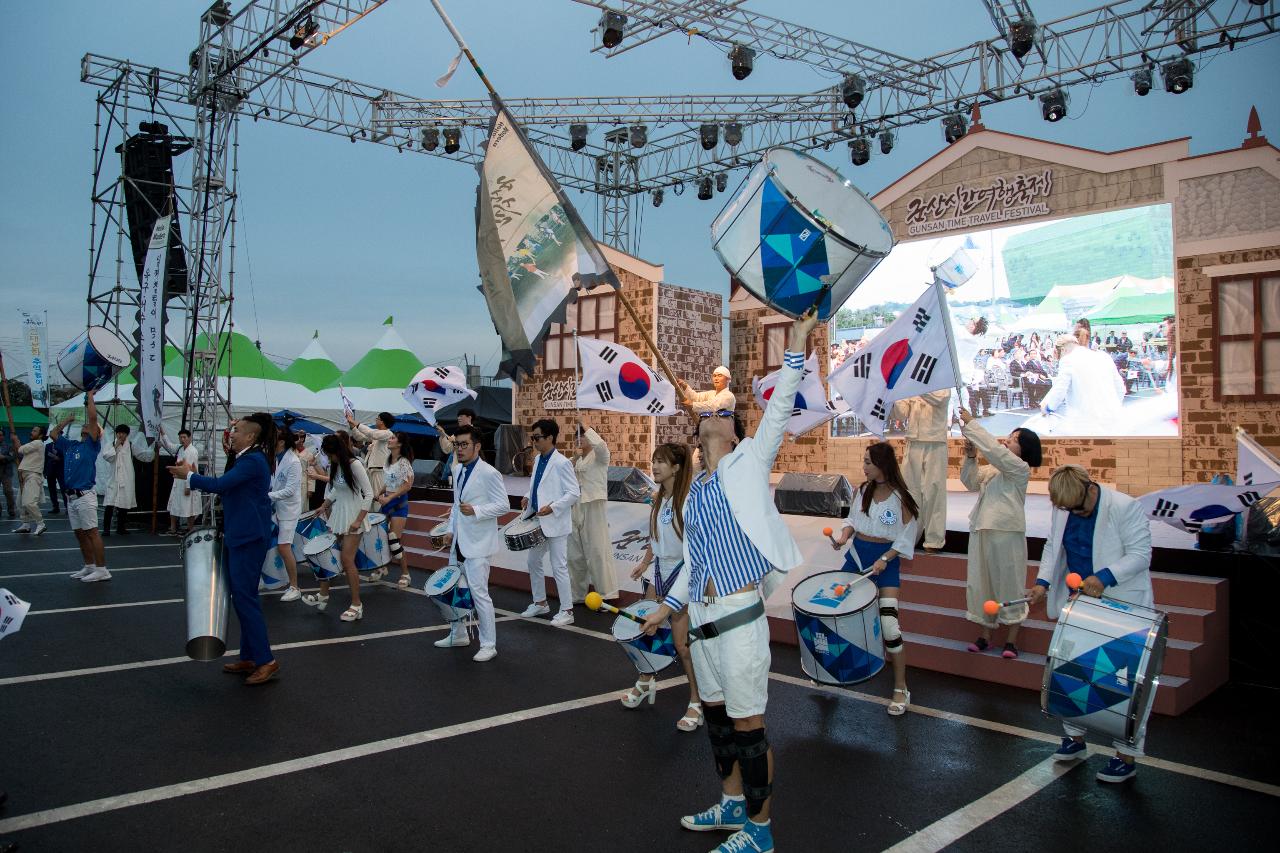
(36, 339)
(151, 330)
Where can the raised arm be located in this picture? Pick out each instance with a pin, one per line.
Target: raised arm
(768, 437)
(91, 417)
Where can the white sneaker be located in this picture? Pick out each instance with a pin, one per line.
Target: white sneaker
(22, 528)
(536, 610)
(486, 653)
(40, 528)
(291, 594)
(453, 640)
(83, 571)
(564, 617)
(99, 573)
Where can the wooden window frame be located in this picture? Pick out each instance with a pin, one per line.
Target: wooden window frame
(1257, 336)
(767, 328)
(561, 334)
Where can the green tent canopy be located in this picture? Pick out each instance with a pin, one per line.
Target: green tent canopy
(1135, 301)
(246, 360)
(313, 367)
(25, 417)
(390, 364)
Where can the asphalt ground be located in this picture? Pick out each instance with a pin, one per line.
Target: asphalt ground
(371, 739)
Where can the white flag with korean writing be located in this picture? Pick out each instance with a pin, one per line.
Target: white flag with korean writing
(616, 380)
(151, 329)
(433, 388)
(911, 357)
(1191, 507)
(811, 408)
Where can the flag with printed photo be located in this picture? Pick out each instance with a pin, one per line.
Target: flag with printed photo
(1193, 506)
(812, 408)
(12, 611)
(960, 267)
(433, 388)
(617, 380)
(1254, 463)
(913, 356)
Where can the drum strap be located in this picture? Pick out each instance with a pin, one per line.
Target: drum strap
(725, 624)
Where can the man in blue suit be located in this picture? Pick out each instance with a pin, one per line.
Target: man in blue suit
(246, 539)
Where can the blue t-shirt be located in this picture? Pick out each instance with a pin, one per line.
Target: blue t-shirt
(79, 459)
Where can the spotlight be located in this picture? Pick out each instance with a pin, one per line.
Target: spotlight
(709, 134)
(305, 30)
(1142, 81)
(430, 138)
(612, 26)
(852, 90)
(722, 181)
(886, 141)
(1022, 37)
(678, 188)
(954, 127)
(577, 136)
(741, 60)
(657, 197)
(1179, 75)
(733, 133)
(155, 128)
(452, 139)
(1053, 105)
(860, 150)
(639, 135)
(704, 189)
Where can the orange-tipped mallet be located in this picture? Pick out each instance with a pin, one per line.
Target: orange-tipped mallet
(1074, 581)
(827, 531)
(992, 607)
(595, 602)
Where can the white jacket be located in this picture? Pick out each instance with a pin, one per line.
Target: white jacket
(1121, 543)
(1088, 392)
(593, 468)
(117, 480)
(477, 535)
(286, 487)
(712, 400)
(557, 489)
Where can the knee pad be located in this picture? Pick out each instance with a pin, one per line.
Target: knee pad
(889, 625)
(753, 758)
(394, 541)
(720, 731)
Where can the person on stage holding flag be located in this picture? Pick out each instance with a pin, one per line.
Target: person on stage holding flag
(719, 398)
(736, 550)
(590, 552)
(376, 437)
(553, 490)
(928, 421)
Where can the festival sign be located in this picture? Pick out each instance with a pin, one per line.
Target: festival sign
(151, 329)
(1003, 200)
(37, 344)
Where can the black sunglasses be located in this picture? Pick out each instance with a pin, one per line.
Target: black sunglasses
(719, 413)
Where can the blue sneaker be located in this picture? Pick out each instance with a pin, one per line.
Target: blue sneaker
(1117, 770)
(728, 816)
(752, 838)
(1070, 750)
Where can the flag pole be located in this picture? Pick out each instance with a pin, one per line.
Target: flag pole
(462, 45)
(8, 406)
(951, 340)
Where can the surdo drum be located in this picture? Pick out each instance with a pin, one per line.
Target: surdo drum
(448, 588)
(93, 359)
(523, 534)
(314, 544)
(374, 550)
(838, 622)
(796, 226)
(650, 655)
(208, 594)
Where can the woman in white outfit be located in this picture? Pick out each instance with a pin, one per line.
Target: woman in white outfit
(184, 502)
(397, 480)
(346, 508)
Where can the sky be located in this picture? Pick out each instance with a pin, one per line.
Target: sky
(335, 237)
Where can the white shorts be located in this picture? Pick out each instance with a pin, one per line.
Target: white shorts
(287, 529)
(83, 511)
(732, 668)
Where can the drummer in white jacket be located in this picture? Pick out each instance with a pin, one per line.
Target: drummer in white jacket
(286, 507)
(553, 490)
(1103, 536)
(118, 491)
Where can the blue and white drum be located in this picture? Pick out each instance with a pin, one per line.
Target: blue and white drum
(448, 588)
(794, 225)
(93, 359)
(274, 575)
(1104, 665)
(837, 617)
(650, 655)
(374, 550)
(324, 564)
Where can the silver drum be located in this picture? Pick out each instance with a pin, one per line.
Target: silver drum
(208, 594)
(523, 534)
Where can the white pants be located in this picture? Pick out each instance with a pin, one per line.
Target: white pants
(590, 551)
(477, 572)
(29, 502)
(558, 548)
(732, 668)
(926, 476)
(83, 511)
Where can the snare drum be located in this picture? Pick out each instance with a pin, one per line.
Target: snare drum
(274, 575)
(1103, 666)
(437, 534)
(837, 618)
(794, 222)
(523, 534)
(448, 588)
(374, 550)
(324, 564)
(93, 359)
(650, 655)
(323, 555)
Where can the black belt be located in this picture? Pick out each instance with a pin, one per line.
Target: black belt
(79, 492)
(725, 624)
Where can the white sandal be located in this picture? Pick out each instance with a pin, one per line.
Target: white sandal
(688, 723)
(644, 689)
(352, 613)
(897, 709)
(319, 602)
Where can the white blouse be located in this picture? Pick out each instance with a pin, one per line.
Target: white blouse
(669, 547)
(394, 476)
(884, 522)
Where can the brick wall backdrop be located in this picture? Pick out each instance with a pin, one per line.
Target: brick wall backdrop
(689, 334)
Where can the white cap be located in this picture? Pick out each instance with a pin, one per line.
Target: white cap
(722, 371)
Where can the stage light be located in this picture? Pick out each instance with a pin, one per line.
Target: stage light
(678, 188)
(886, 141)
(305, 30)
(704, 189)
(452, 139)
(639, 136)
(1142, 81)
(722, 181)
(430, 138)
(733, 133)
(709, 135)
(657, 197)
(954, 127)
(860, 151)
(852, 90)
(577, 136)
(155, 128)
(741, 60)
(1053, 105)
(1179, 75)
(1022, 37)
(612, 28)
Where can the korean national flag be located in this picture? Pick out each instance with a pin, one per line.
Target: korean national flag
(1254, 463)
(616, 380)
(12, 611)
(960, 267)
(1191, 507)
(433, 388)
(812, 408)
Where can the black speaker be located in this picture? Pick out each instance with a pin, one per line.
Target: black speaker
(147, 166)
(630, 485)
(813, 494)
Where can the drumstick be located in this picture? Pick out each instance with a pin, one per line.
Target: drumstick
(595, 602)
(991, 607)
(827, 531)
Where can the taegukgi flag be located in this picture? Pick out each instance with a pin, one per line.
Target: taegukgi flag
(960, 267)
(1254, 463)
(433, 388)
(12, 611)
(1193, 506)
(616, 380)
(348, 408)
(911, 357)
(812, 408)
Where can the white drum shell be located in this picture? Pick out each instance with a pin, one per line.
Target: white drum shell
(660, 652)
(94, 359)
(839, 635)
(440, 587)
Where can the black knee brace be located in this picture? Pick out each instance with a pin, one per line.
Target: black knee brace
(720, 730)
(753, 758)
(394, 541)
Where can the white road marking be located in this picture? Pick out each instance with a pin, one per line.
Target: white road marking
(77, 548)
(105, 606)
(66, 574)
